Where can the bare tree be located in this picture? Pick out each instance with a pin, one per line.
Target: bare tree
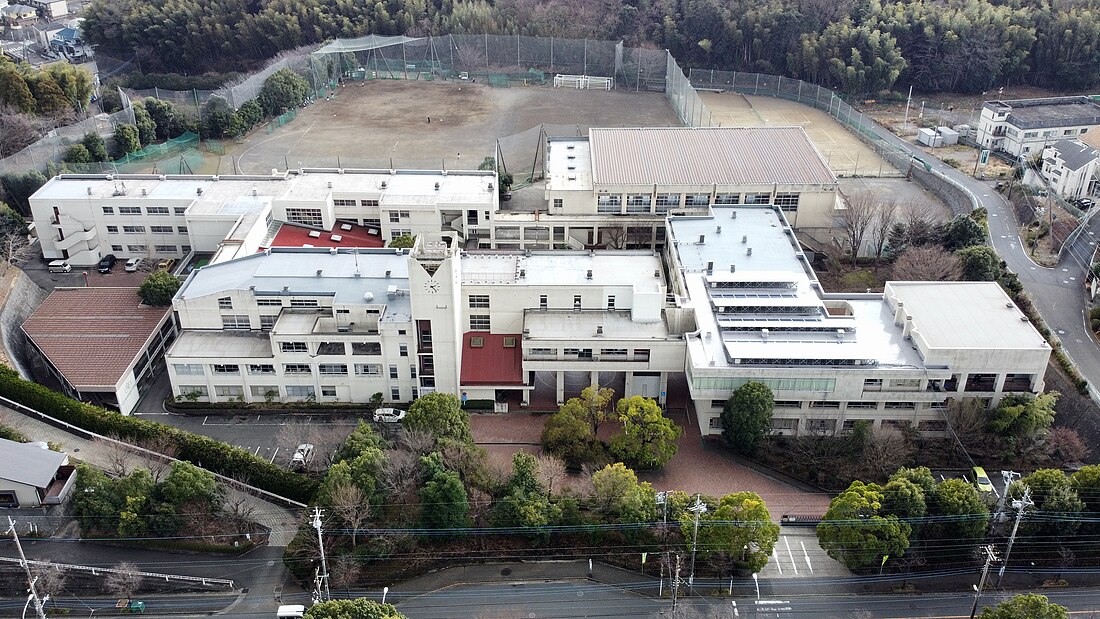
(51, 580)
(350, 504)
(418, 442)
(345, 571)
(161, 444)
(885, 452)
(885, 218)
(855, 220)
(615, 237)
(398, 475)
(120, 460)
(929, 263)
(16, 247)
(551, 470)
(125, 581)
(18, 130)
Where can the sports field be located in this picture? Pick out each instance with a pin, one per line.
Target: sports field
(373, 123)
(845, 153)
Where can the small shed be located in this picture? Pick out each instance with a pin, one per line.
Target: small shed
(31, 475)
(929, 137)
(948, 135)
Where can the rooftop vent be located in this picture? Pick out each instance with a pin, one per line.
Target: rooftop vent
(840, 334)
(1008, 304)
(368, 296)
(215, 178)
(89, 191)
(710, 267)
(144, 191)
(744, 238)
(522, 273)
(733, 268)
(330, 183)
(702, 239)
(199, 191)
(749, 252)
(387, 274)
(384, 184)
(162, 177)
(319, 271)
(599, 330)
(718, 230)
(437, 186)
(286, 289)
(589, 276)
(764, 334)
(709, 335)
(255, 192)
(656, 272)
(490, 186)
(733, 215)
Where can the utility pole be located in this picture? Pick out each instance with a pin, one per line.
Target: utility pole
(698, 509)
(39, 603)
(990, 557)
(1019, 506)
(317, 513)
(662, 500)
(676, 580)
(908, 100)
(1008, 477)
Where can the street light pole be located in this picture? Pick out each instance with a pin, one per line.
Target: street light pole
(698, 509)
(990, 557)
(1019, 506)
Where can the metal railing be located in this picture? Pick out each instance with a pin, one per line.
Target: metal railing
(95, 571)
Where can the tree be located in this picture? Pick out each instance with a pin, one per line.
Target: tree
(49, 99)
(594, 406)
(1024, 415)
(215, 117)
(163, 116)
(618, 496)
(444, 503)
(1056, 504)
(18, 130)
(251, 113)
(351, 506)
(921, 476)
(405, 241)
(14, 243)
(97, 148)
(526, 502)
(18, 188)
(74, 82)
(283, 90)
(961, 515)
(739, 528)
(77, 153)
(550, 471)
(962, 232)
(360, 608)
(747, 416)
(903, 499)
(1025, 606)
(1086, 482)
(187, 483)
(648, 438)
(146, 126)
(124, 581)
(363, 439)
(856, 533)
(127, 140)
(441, 415)
(929, 263)
(880, 227)
(14, 90)
(855, 221)
(568, 437)
(979, 263)
(158, 289)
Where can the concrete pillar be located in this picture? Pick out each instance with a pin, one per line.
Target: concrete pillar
(999, 384)
(662, 396)
(560, 376)
(594, 378)
(628, 385)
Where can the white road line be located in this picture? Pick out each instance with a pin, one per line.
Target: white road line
(257, 452)
(274, 454)
(807, 555)
(778, 566)
(204, 419)
(789, 552)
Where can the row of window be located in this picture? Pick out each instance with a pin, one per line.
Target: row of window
(160, 249)
(827, 424)
(289, 369)
(153, 229)
(271, 392)
(339, 348)
(614, 354)
(149, 210)
(227, 303)
(353, 203)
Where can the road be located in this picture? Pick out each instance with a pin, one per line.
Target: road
(1058, 293)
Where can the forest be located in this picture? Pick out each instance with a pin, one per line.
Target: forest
(863, 47)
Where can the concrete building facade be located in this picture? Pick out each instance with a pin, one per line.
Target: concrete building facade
(1070, 168)
(1023, 127)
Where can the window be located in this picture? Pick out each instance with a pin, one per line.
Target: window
(225, 303)
(412, 371)
(787, 202)
(1030, 134)
(193, 392)
(397, 216)
(576, 301)
(366, 348)
(302, 392)
(479, 322)
(727, 198)
(267, 322)
(156, 210)
(509, 342)
(698, 199)
(572, 352)
(164, 249)
(403, 350)
(542, 302)
(821, 425)
(129, 210)
(264, 391)
(257, 369)
(785, 424)
(304, 303)
(368, 369)
(305, 216)
(900, 406)
(544, 352)
(236, 322)
(585, 353)
(641, 354)
(116, 248)
(715, 423)
(758, 198)
(788, 404)
(610, 301)
(269, 302)
(181, 229)
(825, 404)
(395, 394)
(229, 391)
(185, 249)
(328, 391)
(872, 383)
(397, 232)
(331, 348)
(188, 369)
(343, 202)
(477, 342)
(479, 301)
(332, 368)
(668, 199)
(293, 347)
(368, 202)
(133, 229)
(108, 210)
(137, 249)
(610, 200)
(905, 383)
(297, 368)
(393, 372)
(613, 352)
(230, 368)
(160, 229)
(179, 210)
(862, 406)
(112, 229)
(558, 203)
(638, 199)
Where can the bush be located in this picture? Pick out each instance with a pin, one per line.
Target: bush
(213, 455)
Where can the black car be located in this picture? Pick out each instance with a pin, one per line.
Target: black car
(106, 263)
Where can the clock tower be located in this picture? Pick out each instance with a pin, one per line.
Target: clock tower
(434, 284)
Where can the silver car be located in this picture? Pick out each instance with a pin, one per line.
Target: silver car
(389, 415)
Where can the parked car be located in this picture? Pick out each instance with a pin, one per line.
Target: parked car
(981, 480)
(302, 456)
(166, 264)
(133, 264)
(389, 415)
(59, 266)
(1085, 203)
(106, 263)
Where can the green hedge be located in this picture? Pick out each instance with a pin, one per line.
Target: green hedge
(204, 451)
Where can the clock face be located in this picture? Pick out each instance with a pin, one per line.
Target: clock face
(431, 286)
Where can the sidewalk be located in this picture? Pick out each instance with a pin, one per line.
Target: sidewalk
(282, 522)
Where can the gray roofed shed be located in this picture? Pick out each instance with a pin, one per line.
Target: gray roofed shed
(27, 463)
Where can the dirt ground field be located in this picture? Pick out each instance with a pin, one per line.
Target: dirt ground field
(846, 154)
(369, 124)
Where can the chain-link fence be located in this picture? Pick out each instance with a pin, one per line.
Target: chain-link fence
(52, 147)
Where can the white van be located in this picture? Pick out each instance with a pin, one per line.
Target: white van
(291, 611)
(59, 266)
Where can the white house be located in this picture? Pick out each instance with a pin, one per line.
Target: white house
(1070, 168)
(31, 475)
(1023, 127)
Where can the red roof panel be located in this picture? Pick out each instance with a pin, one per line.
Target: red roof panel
(296, 236)
(492, 363)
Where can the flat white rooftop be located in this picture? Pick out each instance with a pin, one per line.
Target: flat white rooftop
(583, 326)
(564, 268)
(222, 345)
(569, 164)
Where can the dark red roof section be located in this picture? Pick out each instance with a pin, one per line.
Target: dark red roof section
(492, 363)
(92, 335)
(290, 235)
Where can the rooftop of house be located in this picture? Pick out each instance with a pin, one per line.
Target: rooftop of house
(93, 335)
(1075, 154)
(29, 463)
(1048, 112)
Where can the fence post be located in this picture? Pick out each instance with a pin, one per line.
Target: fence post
(778, 86)
(586, 56)
(757, 87)
(486, 44)
(517, 52)
(800, 91)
